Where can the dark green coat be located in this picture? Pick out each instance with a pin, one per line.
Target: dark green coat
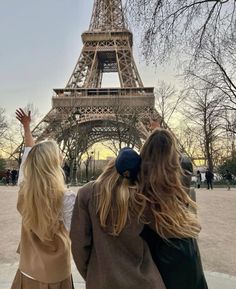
(178, 261)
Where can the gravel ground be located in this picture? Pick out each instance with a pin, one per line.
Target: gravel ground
(217, 241)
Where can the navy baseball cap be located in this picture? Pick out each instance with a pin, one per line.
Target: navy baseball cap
(128, 163)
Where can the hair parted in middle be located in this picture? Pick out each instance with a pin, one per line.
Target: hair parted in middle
(43, 189)
(116, 199)
(160, 181)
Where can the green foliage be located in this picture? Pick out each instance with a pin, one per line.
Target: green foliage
(2, 164)
(229, 164)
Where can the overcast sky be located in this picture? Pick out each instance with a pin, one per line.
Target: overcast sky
(40, 42)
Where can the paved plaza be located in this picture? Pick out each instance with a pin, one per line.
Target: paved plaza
(217, 241)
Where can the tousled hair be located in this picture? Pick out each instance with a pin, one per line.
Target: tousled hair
(160, 181)
(43, 190)
(116, 199)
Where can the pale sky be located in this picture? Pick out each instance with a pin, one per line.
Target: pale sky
(40, 42)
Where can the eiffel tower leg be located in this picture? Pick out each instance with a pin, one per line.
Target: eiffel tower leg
(81, 70)
(93, 78)
(127, 70)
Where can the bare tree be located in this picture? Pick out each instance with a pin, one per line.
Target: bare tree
(3, 125)
(188, 136)
(229, 118)
(167, 101)
(229, 125)
(72, 139)
(216, 69)
(87, 163)
(178, 26)
(125, 128)
(10, 136)
(203, 111)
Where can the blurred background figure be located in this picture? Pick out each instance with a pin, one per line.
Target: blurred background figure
(8, 177)
(209, 178)
(14, 175)
(187, 167)
(229, 178)
(199, 179)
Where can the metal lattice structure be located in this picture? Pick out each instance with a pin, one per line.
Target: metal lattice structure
(104, 113)
(107, 48)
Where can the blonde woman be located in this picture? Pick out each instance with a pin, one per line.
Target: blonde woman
(46, 209)
(105, 230)
(172, 227)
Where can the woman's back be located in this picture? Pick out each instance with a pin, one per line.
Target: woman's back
(106, 261)
(46, 210)
(53, 256)
(174, 225)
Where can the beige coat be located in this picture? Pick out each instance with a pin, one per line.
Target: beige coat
(45, 261)
(108, 262)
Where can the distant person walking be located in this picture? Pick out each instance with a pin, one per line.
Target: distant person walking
(66, 170)
(14, 174)
(229, 178)
(199, 179)
(8, 177)
(209, 178)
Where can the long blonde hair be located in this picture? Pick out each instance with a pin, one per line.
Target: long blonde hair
(43, 190)
(117, 199)
(160, 182)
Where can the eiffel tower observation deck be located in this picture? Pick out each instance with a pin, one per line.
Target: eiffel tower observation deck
(114, 113)
(107, 47)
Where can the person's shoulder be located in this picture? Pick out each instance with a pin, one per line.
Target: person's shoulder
(69, 193)
(85, 193)
(69, 196)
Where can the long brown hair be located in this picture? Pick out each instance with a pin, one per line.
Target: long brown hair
(117, 198)
(160, 182)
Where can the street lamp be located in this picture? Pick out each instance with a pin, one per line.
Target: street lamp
(93, 163)
(76, 117)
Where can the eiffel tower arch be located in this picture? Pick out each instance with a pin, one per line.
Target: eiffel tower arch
(84, 113)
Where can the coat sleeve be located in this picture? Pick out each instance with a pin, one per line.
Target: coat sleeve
(81, 233)
(68, 206)
(24, 157)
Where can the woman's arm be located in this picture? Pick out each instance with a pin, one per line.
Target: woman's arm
(25, 120)
(68, 206)
(28, 138)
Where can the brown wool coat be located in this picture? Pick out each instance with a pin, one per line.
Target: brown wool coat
(108, 262)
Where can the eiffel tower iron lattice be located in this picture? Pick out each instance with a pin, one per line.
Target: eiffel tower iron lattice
(104, 113)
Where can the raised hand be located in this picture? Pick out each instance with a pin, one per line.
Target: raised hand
(153, 124)
(23, 117)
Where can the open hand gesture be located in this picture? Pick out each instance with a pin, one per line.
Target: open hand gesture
(23, 117)
(153, 124)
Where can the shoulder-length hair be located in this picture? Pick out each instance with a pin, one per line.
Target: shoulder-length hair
(117, 198)
(43, 190)
(160, 181)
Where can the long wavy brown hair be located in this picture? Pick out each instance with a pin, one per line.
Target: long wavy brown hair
(160, 181)
(117, 198)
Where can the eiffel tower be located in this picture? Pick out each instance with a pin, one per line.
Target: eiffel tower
(84, 113)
